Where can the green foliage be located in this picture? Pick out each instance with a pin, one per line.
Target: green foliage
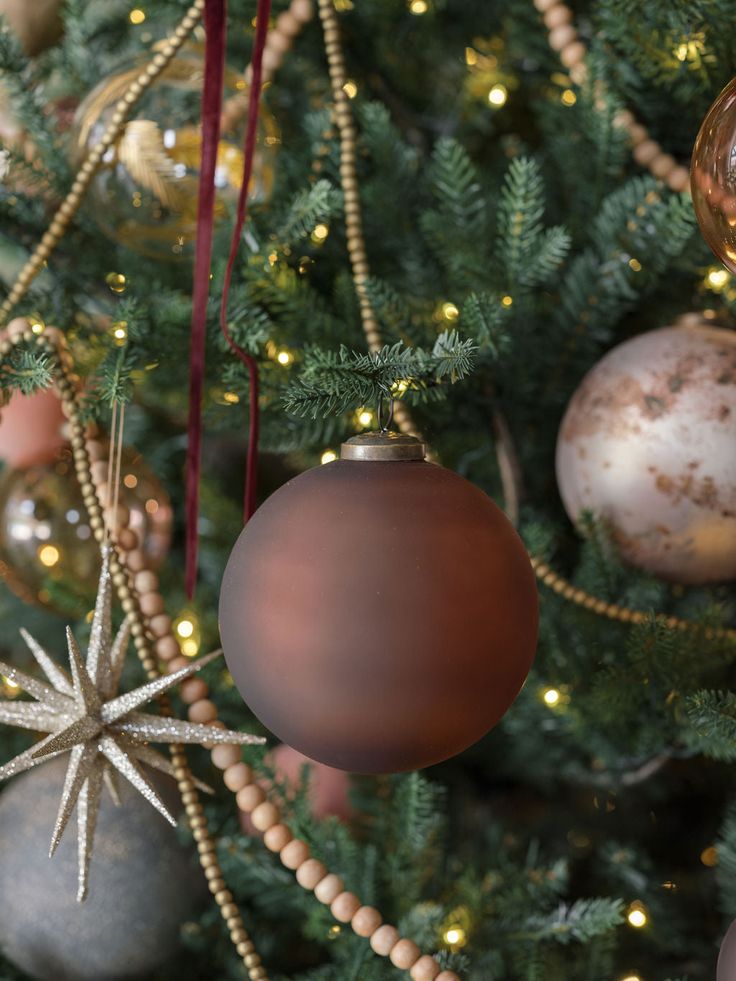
(308, 207)
(485, 319)
(27, 370)
(332, 383)
(527, 253)
(581, 922)
(712, 715)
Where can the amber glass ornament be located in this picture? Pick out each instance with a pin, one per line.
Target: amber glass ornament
(379, 613)
(48, 554)
(648, 444)
(713, 177)
(144, 195)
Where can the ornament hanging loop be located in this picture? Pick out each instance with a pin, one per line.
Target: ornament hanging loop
(385, 409)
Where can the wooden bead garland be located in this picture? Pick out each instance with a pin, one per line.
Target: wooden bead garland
(564, 38)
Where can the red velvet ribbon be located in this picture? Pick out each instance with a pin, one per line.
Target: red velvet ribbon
(251, 468)
(215, 19)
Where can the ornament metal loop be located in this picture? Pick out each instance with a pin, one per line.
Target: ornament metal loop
(384, 427)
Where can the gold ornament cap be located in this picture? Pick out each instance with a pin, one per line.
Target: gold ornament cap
(383, 447)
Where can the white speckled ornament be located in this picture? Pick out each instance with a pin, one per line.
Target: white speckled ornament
(727, 957)
(648, 443)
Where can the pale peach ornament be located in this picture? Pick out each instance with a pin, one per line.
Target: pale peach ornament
(31, 429)
(328, 788)
(648, 443)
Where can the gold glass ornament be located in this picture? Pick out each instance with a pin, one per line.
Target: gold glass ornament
(144, 195)
(48, 554)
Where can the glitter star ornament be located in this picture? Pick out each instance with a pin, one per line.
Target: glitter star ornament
(104, 733)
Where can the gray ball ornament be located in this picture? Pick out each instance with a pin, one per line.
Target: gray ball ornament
(143, 884)
(726, 970)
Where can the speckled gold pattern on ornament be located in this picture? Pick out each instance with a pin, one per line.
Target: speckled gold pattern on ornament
(647, 443)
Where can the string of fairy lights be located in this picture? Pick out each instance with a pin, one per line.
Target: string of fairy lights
(493, 85)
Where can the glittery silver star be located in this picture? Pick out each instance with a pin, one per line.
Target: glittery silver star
(103, 732)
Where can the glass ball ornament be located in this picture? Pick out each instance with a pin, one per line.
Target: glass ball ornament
(726, 969)
(48, 554)
(31, 428)
(144, 195)
(379, 613)
(144, 884)
(647, 444)
(713, 177)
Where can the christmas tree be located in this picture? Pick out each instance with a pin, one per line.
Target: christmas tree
(456, 211)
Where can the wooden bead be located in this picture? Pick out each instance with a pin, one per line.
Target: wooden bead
(203, 711)
(302, 10)
(225, 755)
(277, 837)
(384, 939)
(447, 976)
(345, 906)
(250, 797)
(561, 36)
(624, 119)
(573, 55)
(679, 179)
(135, 560)
(638, 133)
(366, 921)
(237, 776)
(645, 152)
(265, 816)
(193, 690)
(167, 648)
(16, 327)
(278, 42)
(405, 954)
(271, 61)
(662, 165)
(329, 888)
(294, 854)
(557, 16)
(151, 604)
(425, 969)
(287, 24)
(160, 625)
(310, 873)
(99, 472)
(178, 663)
(127, 539)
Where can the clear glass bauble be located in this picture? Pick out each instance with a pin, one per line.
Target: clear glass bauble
(48, 554)
(144, 195)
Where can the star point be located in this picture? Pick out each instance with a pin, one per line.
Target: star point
(104, 733)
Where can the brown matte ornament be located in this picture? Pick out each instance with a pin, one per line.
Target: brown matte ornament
(37, 25)
(726, 970)
(379, 614)
(712, 175)
(647, 443)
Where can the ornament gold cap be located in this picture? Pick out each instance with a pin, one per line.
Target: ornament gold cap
(383, 447)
